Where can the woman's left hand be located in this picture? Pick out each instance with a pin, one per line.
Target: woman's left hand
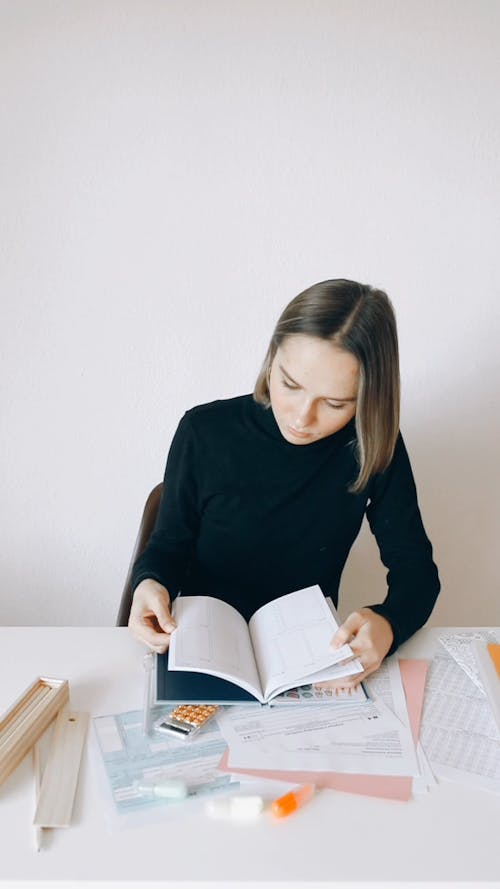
(370, 637)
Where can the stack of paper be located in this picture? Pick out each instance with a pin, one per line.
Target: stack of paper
(369, 748)
(459, 732)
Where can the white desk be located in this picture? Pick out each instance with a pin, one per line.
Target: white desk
(450, 834)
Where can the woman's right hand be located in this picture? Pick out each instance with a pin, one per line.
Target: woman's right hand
(150, 619)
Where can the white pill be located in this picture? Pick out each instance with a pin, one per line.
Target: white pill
(235, 806)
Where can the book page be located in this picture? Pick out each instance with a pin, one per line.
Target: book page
(212, 637)
(291, 638)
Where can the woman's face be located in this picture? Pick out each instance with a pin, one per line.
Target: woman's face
(313, 387)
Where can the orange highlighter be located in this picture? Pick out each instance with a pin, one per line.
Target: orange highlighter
(292, 801)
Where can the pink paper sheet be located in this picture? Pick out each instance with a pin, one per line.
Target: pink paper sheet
(413, 675)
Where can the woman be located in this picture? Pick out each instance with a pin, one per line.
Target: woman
(265, 494)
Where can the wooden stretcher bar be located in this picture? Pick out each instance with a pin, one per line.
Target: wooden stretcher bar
(58, 788)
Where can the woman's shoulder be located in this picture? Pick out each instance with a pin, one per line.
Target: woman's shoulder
(222, 407)
(398, 474)
(218, 414)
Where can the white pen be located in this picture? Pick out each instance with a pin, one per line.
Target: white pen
(174, 788)
(148, 664)
(38, 779)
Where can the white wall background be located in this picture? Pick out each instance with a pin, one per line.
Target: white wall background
(172, 174)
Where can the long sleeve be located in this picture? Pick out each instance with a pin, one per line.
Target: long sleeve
(166, 557)
(246, 516)
(394, 518)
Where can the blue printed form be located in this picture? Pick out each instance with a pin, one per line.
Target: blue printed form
(134, 762)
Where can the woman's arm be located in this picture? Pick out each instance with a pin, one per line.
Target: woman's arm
(159, 573)
(412, 578)
(413, 583)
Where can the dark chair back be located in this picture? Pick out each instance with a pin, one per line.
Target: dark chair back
(145, 530)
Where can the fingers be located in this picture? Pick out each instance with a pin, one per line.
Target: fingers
(163, 615)
(151, 621)
(369, 636)
(347, 630)
(145, 632)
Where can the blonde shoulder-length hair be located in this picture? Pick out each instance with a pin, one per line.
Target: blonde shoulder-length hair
(359, 319)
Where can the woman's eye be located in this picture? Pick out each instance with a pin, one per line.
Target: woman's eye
(335, 407)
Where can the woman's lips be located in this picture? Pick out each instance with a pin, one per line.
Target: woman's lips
(297, 433)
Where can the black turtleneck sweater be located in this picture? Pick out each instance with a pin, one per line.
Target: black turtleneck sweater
(246, 516)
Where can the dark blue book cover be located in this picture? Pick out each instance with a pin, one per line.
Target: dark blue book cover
(186, 687)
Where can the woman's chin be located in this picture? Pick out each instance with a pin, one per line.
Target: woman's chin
(295, 437)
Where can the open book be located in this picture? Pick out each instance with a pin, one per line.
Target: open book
(285, 644)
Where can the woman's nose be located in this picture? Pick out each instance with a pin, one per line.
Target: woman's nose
(304, 415)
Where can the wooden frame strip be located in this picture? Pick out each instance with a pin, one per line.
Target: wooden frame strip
(26, 720)
(57, 793)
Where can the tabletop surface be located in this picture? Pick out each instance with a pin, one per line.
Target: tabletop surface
(450, 833)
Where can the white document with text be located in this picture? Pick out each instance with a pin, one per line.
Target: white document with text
(355, 738)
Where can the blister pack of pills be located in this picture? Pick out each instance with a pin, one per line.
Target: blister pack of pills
(185, 720)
